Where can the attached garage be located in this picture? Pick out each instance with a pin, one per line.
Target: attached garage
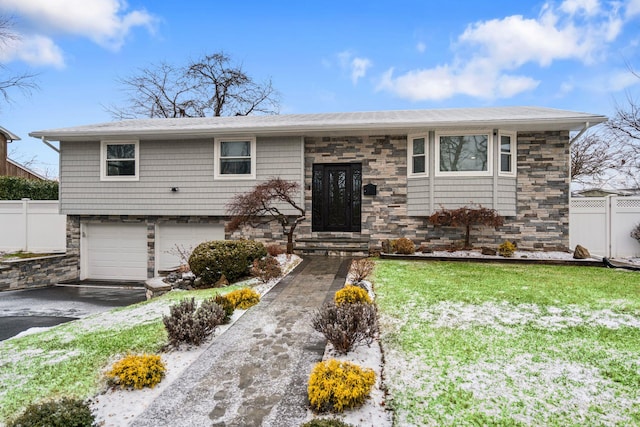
(114, 251)
(187, 236)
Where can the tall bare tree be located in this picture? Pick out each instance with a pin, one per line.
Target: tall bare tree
(595, 158)
(23, 82)
(209, 86)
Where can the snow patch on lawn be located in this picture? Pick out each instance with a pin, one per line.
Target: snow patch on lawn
(503, 316)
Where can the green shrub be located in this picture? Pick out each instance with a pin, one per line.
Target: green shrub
(137, 371)
(243, 298)
(346, 325)
(266, 268)
(404, 246)
(190, 324)
(326, 422)
(506, 249)
(231, 258)
(351, 294)
(335, 385)
(17, 188)
(227, 306)
(65, 412)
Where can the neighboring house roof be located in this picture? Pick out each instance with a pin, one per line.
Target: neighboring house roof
(23, 171)
(9, 135)
(508, 118)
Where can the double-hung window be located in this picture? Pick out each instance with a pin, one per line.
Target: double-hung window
(417, 155)
(507, 154)
(119, 160)
(235, 158)
(463, 154)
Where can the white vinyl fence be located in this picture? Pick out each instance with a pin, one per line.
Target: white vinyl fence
(33, 226)
(603, 225)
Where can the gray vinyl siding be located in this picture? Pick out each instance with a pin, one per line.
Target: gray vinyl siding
(455, 192)
(186, 164)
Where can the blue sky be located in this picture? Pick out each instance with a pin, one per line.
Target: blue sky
(324, 56)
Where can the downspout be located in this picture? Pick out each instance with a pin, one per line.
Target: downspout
(582, 131)
(53, 147)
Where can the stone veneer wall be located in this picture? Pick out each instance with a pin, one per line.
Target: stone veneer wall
(37, 272)
(541, 222)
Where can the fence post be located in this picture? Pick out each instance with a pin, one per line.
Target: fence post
(25, 213)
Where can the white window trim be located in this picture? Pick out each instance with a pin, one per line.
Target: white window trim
(410, 156)
(490, 143)
(514, 152)
(216, 156)
(103, 160)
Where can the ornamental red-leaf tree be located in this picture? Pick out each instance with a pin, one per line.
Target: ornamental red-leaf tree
(266, 203)
(466, 217)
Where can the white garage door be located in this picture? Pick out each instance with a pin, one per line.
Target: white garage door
(115, 251)
(186, 236)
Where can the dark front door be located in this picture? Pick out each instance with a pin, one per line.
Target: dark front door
(336, 197)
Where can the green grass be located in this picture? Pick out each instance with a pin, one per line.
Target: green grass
(68, 360)
(496, 344)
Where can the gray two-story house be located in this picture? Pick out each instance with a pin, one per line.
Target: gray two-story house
(134, 189)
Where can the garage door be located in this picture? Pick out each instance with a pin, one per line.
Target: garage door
(186, 236)
(115, 251)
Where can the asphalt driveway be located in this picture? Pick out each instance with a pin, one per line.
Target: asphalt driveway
(24, 309)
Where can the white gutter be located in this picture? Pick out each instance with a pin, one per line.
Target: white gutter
(582, 131)
(53, 147)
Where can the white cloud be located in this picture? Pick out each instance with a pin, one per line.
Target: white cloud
(621, 80)
(356, 66)
(488, 53)
(588, 7)
(105, 22)
(34, 50)
(421, 47)
(632, 9)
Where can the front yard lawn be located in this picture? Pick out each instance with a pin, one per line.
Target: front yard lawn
(510, 345)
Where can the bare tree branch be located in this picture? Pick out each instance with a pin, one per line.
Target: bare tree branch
(210, 86)
(24, 82)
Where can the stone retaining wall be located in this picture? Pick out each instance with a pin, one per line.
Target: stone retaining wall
(38, 272)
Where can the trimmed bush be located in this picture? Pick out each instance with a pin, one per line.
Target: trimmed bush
(337, 385)
(190, 324)
(231, 258)
(361, 269)
(266, 268)
(347, 325)
(326, 422)
(137, 371)
(17, 188)
(404, 246)
(243, 298)
(227, 306)
(351, 294)
(506, 249)
(65, 412)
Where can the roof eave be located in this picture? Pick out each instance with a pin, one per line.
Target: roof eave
(571, 124)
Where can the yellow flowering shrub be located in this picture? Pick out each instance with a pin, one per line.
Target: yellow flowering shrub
(351, 294)
(137, 371)
(336, 385)
(243, 298)
(506, 249)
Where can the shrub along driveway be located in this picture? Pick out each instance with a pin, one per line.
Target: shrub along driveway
(495, 344)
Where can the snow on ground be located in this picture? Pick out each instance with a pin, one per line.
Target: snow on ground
(118, 407)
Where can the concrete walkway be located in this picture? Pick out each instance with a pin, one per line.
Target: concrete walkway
(255, 374)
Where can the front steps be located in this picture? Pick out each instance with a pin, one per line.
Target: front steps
(333, 246)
